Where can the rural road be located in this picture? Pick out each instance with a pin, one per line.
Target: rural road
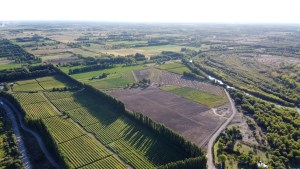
(8, 108)
(210, 163)
(20, 143)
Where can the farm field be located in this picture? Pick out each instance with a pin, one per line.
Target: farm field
(9, 65)
(162, 77)
(39, 84)
(147, 50)
(79, 148)
(115, 131)
(174, 67)
(56, 58)
(260, 60)
(118, 77)
(204, 98)
(114, 139)
(172, 111)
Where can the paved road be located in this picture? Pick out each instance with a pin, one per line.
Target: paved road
(210, 163)
(8, 108)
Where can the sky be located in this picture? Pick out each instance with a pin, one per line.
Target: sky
(200, 11)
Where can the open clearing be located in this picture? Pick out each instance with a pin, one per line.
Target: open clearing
(175, 67)
(205, 98)
(193, 121)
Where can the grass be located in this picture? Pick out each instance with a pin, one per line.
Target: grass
(113, 81)
(53, 81)
(204, 98)
(2, 150)
(9, 66)
(118, 77)
(174, 67)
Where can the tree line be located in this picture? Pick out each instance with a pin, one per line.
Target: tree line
(90, 68)
(9, 145)
(27, 73)
(15, 52)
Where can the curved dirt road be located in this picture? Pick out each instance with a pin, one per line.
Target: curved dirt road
(210, 163)
(16, 130)
(8, 108)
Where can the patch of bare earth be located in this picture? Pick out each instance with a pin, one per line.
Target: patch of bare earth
(191, 120)
(161, 77)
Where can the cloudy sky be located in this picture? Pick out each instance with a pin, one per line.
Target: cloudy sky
(229, 11)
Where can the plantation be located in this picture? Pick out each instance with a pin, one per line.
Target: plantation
(69, 116)
(29, 98)
(83, 150)
(62, 129)
(116, 131)
(39, 110)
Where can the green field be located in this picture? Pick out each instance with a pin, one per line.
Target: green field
(79, 149)
(9, 66)
(174, 67)
(204, 98)
(39, 84)
(118, 77)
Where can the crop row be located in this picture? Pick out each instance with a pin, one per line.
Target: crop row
(62, 129)
(27, 87)
(58, 95)
(29, 98)
(39, 110)
(129, 155)
(77, 147)
(107, 163)
(66, 104)
(111, 130)
(87, 116)
(83, 150)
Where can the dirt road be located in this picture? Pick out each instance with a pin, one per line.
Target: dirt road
(9, 108)
(210, 163)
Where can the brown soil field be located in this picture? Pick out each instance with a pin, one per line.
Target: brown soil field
(193, 121)
(161, 77)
